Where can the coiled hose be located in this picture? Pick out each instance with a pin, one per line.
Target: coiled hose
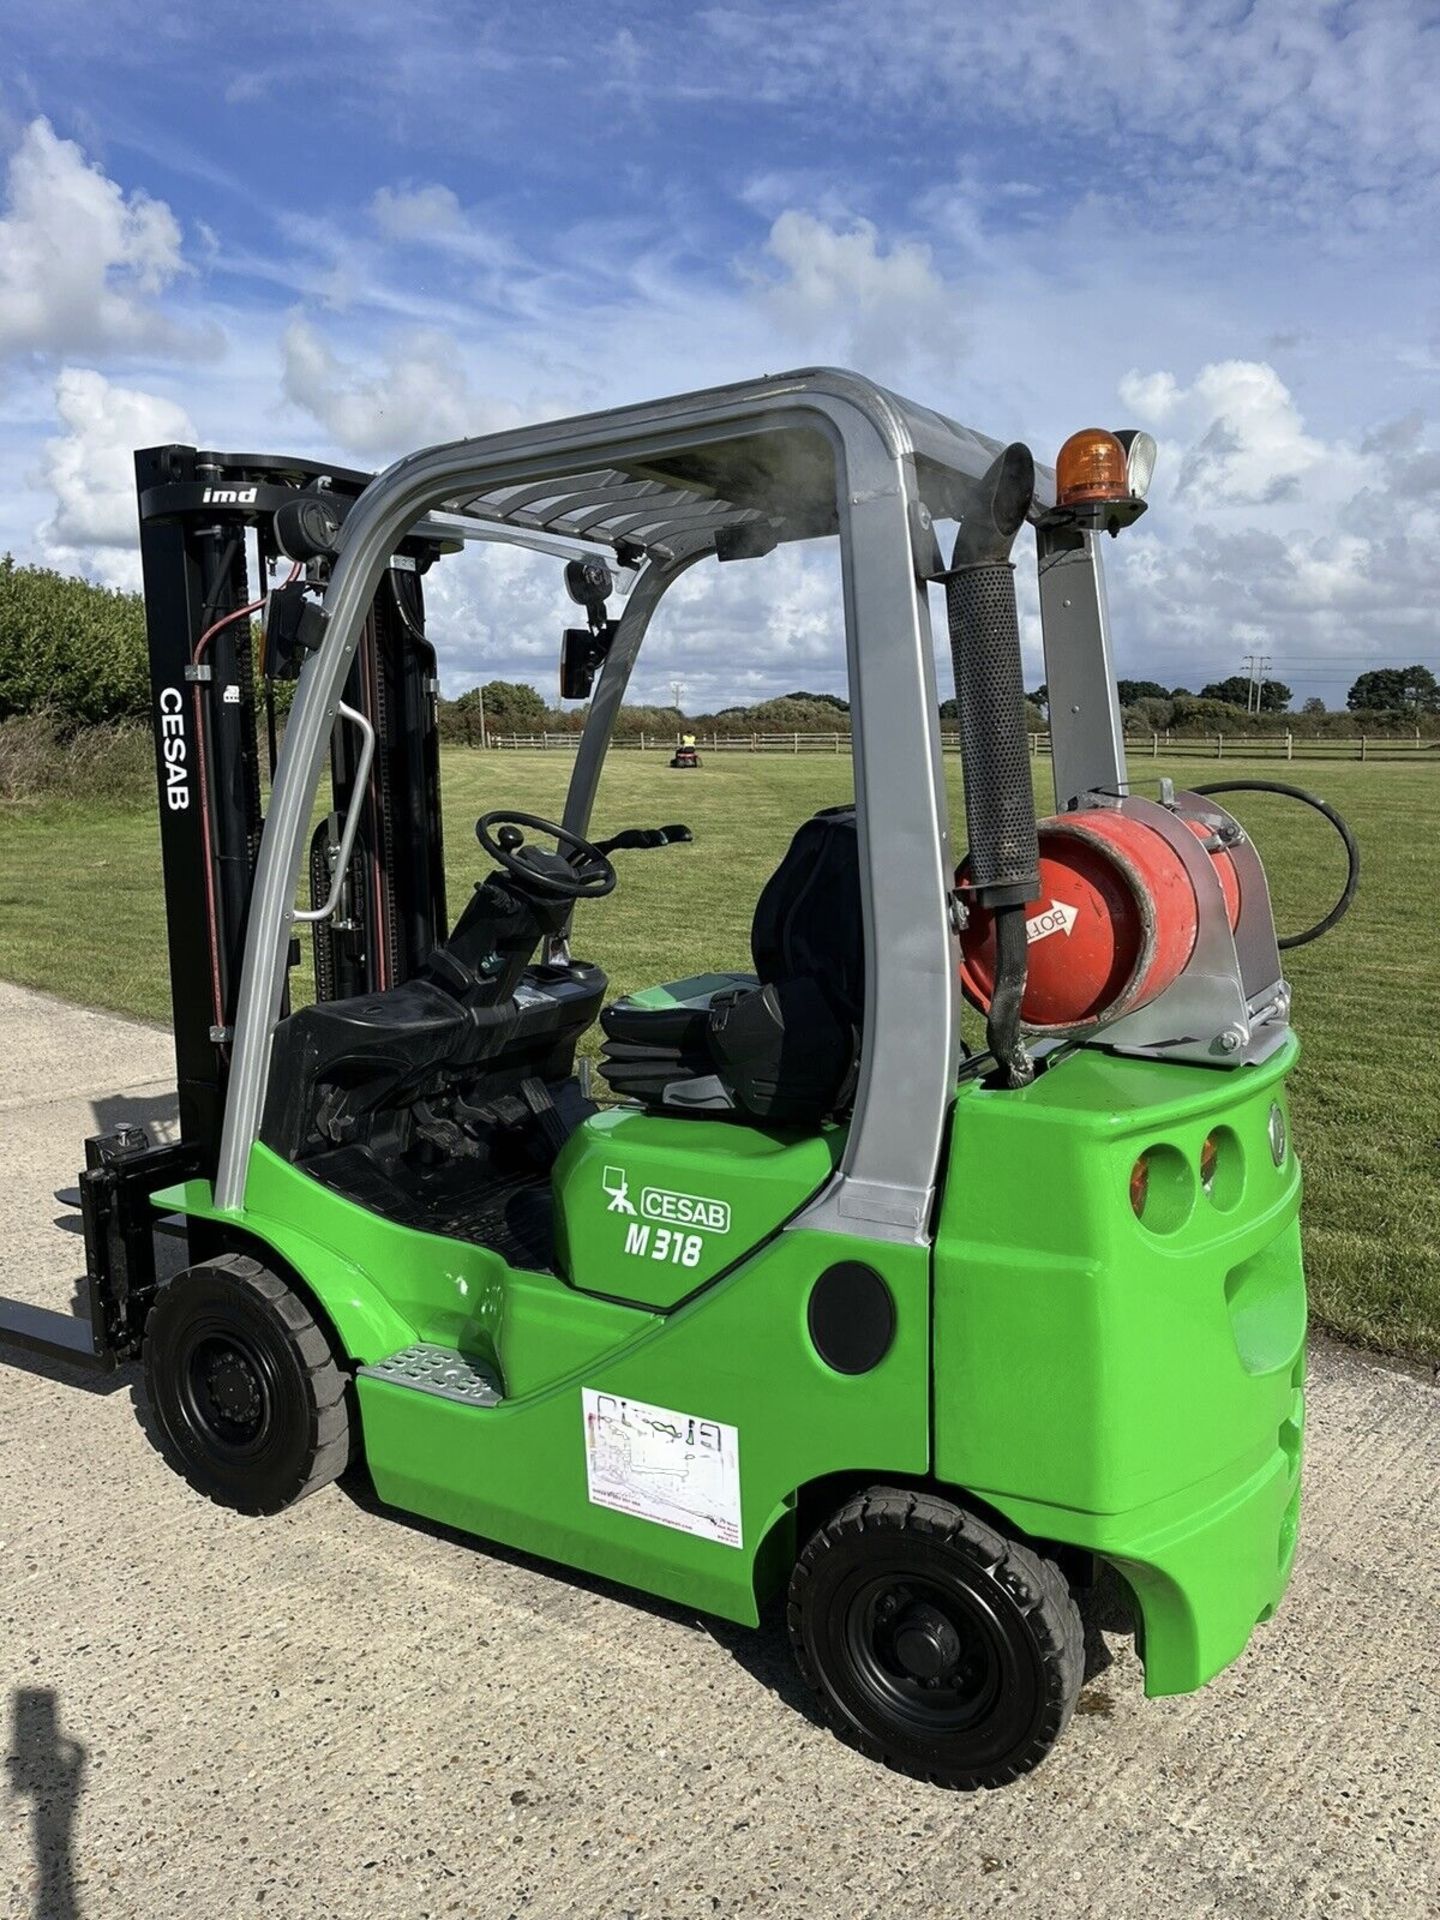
(1341, 825)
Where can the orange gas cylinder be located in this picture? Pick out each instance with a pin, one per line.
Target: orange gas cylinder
(1113, 927)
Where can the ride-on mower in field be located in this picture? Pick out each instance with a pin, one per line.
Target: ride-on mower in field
(821, 1302)
(686, 754)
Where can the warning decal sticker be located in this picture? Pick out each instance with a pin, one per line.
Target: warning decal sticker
(659, 1465)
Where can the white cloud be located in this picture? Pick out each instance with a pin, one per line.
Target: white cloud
(1265, 537)
(90, 470)
(416, 213)
(743, 631)
(843, 291)
(486, 265)
(1203, 110)
(496, 613)
(81, 262)
(749, 629)
(1151, 397)
(419, 394)
(1247, 445)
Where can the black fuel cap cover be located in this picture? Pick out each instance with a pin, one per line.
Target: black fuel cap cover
(851, 1317)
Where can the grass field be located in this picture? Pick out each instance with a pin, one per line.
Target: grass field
(81, 915)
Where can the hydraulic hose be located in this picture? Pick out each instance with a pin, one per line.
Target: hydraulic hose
(1002, 1023)
(1352, 850)
(984, 628)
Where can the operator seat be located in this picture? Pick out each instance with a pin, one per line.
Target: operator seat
(781, 1044)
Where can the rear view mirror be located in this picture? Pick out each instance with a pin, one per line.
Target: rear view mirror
(581, 655)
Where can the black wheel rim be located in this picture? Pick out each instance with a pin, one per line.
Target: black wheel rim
(929, 1654)
(228, 1391)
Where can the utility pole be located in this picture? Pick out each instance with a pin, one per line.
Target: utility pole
(677, 687)
(1258, 665)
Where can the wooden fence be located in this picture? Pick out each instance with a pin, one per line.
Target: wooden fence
(1214, 746)
(705, 742)
(1270, 746)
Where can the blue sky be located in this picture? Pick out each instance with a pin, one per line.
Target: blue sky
(350, 229)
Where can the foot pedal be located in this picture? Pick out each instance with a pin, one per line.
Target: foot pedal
(442, 1371)
(536, 1096)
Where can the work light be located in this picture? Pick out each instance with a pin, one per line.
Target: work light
(1140, 456)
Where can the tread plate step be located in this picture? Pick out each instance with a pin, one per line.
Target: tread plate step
(440, 1370)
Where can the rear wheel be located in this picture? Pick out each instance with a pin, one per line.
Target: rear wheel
(935, 1643)
(246, 1392)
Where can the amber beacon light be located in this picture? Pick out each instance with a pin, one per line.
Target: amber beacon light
(1101, 478)
(1091, 466)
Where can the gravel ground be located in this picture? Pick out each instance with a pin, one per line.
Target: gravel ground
(341, 1713)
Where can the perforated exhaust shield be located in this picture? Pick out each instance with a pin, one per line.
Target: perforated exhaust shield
(990, 695)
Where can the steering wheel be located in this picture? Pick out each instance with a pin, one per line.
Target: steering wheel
(581, 873)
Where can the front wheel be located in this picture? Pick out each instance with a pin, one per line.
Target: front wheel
(935, 1643)
(245, 1389)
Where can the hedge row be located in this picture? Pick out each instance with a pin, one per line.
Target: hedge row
(70, 648)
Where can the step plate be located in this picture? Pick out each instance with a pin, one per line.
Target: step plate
(442, 1371)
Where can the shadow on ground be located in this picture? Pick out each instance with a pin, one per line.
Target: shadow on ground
(46, 1769)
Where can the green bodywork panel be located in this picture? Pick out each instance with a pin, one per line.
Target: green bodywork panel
(394, 1286)
(739, 1353)
(1134, 1392)
(649, 1208)
(1131, 1392)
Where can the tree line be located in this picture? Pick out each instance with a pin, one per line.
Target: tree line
(1413, 690)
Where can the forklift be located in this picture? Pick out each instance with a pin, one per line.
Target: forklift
(821, 1302)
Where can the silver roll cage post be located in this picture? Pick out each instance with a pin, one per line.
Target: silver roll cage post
(657, 577)
(879, 444)
(1087, 738)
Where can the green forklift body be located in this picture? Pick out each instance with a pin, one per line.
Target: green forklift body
(1047, 1301)
(1133, 1391)
(1131, 1386)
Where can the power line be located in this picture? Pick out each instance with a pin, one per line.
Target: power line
(1259, 665)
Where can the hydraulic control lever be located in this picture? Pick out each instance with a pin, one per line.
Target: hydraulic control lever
(644, 837)
(990, 698)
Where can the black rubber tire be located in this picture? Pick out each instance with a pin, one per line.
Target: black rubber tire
(1009, 1609)
(286, 1430)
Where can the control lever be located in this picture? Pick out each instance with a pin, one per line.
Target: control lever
(645, 837)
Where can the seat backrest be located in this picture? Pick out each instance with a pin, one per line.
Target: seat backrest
(808, 920)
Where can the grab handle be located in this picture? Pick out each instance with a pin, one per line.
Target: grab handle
(352, 819)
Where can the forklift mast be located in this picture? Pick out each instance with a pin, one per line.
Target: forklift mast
(210, 530)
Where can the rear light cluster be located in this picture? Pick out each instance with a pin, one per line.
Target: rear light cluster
(1163, 1182)
(1140, 1185)
(1209, 1161)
